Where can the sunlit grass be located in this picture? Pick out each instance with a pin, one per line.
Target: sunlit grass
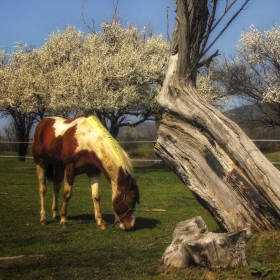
(274, 157)
(84, 252)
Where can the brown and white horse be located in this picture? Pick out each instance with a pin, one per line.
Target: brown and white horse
(65, 148)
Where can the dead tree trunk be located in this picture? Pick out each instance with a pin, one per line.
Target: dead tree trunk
(209, 153)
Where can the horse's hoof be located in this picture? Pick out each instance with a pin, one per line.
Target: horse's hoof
(102, 226)
(56, 218)
(44, 222)
(65, 224)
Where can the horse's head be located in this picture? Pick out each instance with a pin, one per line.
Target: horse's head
(125, 204)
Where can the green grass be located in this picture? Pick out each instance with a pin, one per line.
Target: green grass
(84, 252)
(274, 157)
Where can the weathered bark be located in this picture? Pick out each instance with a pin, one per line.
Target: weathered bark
(192, 20)
(193, 244)
(211, 155)
(216, 160)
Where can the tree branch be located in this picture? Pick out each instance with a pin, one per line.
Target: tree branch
(227, 25)
(91, 29)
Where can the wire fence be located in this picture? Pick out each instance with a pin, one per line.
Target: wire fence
(155, 159)
(141, 160)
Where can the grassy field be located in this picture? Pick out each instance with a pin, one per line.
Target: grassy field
(274, 157)
(84, 252)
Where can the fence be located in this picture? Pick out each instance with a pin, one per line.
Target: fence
(127, 143)
(154, 160)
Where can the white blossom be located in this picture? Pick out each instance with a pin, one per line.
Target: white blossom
(114, 69)
(260, 52)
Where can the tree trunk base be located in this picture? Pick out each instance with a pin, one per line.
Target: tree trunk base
(193, 244)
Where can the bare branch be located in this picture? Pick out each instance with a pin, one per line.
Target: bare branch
(167, 20)
(227, 8)
(116, 6)
(227, 25)
(208, 60)
(115, 15)
(209, 28)
(90, 28)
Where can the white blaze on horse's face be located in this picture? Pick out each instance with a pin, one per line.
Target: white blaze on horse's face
(127, 226)
(124, 227)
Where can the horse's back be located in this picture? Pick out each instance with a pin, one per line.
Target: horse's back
(82, 140)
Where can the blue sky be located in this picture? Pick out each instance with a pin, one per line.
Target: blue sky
(31, 21)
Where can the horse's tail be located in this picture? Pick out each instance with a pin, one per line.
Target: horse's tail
(50, 173)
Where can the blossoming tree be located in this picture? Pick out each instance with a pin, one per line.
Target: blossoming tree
(15, 99)
(254, 75)
(114, 74)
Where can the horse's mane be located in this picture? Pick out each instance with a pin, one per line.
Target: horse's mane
(120, 154)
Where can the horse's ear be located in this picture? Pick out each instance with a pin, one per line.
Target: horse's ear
(136, 178)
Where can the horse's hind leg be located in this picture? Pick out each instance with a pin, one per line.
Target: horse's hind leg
(41, 175)
(59, 173)
(68, 182)
(94, 183)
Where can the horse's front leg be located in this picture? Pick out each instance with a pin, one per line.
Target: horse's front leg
(68, 182)
(94, 183)
(41, 175)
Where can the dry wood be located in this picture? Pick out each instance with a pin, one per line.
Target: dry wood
(193, 244)
(216, 160)
(154, 210)
(211, 155)
(12, 258)
(20, 257)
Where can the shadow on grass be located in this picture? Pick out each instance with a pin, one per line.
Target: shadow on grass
(141, 223)
(83, 217)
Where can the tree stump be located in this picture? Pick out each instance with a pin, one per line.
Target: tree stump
(193, 244)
